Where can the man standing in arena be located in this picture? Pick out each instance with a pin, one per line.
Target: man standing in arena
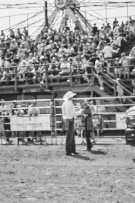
(68, 114)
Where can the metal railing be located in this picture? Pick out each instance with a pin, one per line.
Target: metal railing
(106, 117)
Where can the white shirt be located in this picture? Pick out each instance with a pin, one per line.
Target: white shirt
(108, 52)
(65, 67)
(68, 110)
(33, 110)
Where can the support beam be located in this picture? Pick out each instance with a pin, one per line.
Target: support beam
(46, 14)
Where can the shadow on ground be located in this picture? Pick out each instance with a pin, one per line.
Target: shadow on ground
(98, 152)
(78, 156)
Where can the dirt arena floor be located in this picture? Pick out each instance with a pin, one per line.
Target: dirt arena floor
(44, 174)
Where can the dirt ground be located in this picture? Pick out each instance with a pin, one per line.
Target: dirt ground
(44, 174)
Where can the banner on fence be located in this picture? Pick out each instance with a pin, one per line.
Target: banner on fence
(35, 123)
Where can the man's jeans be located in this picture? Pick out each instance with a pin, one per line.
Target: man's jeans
(70, 138)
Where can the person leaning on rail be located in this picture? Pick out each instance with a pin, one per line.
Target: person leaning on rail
(34, 111)
(68, 114)
(4, 115)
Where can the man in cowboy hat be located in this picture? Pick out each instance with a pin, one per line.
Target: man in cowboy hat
(68, 114)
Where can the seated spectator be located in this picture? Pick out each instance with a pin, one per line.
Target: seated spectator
(53, 54)
(22, 69)
(101, 43)
(117, 68)
(98, 65)
(3, 108)
(9, 55)
(6, 63)
(53, 71)
(29, 75)
(35, 62)
(2, 35)
(21, 50)
(133, 50)
(13, 46)
(33, 110)
(64, 66)
(62, 50)
(37, 75)
(7, 75)
(133, 73)
(124, 61)
(3, 46)
(115, 22)
(88, 68)
(18, 34)
(132, 54)
(19, 110)
(44, 71)
(16, 59)
(98, 52)
(30, 57)
(108, 51)
(120, 89)
(25, 32)
(12, 33)
(95, 29)
(70, 51)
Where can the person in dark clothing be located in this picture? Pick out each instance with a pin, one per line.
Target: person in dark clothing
(95, 29)
(87, 124)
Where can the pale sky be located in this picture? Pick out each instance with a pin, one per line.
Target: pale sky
(14, 12)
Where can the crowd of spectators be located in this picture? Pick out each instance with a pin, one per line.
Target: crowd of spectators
(53, 55)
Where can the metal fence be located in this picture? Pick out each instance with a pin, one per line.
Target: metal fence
(17, 123)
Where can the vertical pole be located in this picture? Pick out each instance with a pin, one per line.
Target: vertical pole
(106, 13)
(55, 120)
(71, 78)
(127, 10)
(52, 120)
(9, 23)
(85, 20)
(46, 14)
(46, 74)
(27, 21)
(15, 78)
(92, 76)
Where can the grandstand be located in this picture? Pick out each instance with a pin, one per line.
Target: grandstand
(69, 58)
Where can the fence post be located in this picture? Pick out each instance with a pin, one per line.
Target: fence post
(15, 78)
(53, 121)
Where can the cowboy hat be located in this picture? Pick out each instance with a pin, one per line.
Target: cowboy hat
(69, 95)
